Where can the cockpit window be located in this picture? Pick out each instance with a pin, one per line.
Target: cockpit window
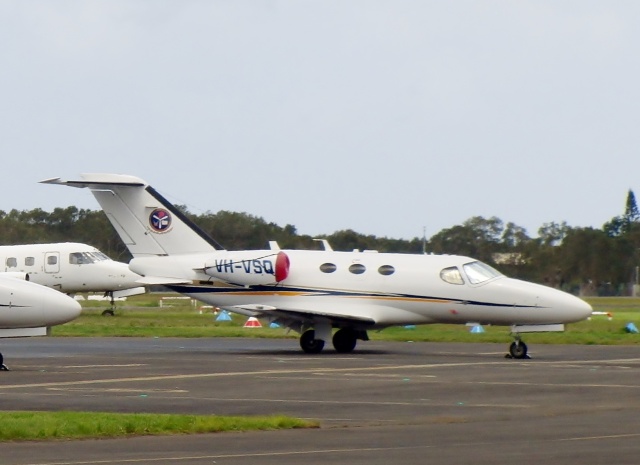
(452, 275)
(84, 258)
(479, 272)
(98, 256)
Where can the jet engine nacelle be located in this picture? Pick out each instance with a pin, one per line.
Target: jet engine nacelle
(16, 275)
(249, 267)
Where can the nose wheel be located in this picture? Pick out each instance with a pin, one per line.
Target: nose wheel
(518, 349)
(110, 311)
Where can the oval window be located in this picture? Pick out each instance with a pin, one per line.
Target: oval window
(386, 270)
(357, 268)
(328, 268)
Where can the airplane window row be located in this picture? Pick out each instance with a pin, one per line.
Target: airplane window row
(76, 258)
(12, 262)
(357, 268)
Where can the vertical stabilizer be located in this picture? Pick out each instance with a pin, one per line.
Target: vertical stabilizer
(147, 222)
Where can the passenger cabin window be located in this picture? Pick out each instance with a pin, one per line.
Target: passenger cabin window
(29, 261)
(386, 270)
(357, 268)
(328, 268)
(12, 262)
(479, 272)
(52, 260)
(452, 275)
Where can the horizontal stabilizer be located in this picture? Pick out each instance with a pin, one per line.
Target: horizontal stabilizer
(129, 292)
(97, 180)
(153, 280)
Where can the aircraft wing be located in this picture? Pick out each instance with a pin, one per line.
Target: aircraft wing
(307, 313)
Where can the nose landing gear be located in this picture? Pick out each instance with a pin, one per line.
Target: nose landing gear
(517, 349)
(110, 311)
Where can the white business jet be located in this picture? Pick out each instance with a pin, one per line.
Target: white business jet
(28, 309)
(71, 268)
(314, 292)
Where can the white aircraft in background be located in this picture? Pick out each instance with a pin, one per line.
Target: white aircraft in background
(314, 292)
(71, 268)
(28, 309)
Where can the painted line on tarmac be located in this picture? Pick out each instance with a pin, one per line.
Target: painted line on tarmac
(323, 371)
(304, 371)
(184, 458)
(102, 391)
(599, 438)
(521, 383)
(302, 453)
(106, 366)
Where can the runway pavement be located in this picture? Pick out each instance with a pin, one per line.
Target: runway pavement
(387, 402)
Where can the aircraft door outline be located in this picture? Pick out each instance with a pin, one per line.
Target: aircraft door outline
(52, 262)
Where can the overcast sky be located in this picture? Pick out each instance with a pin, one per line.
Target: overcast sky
(379, 116)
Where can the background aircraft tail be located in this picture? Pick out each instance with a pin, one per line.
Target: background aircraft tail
(147, 222)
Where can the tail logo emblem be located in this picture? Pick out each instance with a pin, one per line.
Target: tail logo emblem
(160, 220)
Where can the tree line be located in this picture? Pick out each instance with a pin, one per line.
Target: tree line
(577, 259)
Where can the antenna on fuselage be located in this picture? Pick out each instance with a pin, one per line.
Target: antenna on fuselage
(424, 240)
(325, 244)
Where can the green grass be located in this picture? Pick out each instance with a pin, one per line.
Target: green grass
(142, 316)
(25, 426)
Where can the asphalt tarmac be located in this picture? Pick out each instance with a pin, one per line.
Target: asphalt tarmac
(387, 403)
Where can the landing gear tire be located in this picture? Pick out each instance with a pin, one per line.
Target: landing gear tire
(110, 311)
(517, 349)
(310, 344)
(344, 341)
(3, 367)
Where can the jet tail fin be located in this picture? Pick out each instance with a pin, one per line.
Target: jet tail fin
(147, 223)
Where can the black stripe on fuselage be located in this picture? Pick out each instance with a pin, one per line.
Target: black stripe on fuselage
(207, 289)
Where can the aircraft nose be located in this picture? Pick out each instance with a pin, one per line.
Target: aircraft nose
(60, 308)
(572, 308)
(546, 305)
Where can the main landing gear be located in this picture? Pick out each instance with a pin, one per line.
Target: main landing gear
(3, 367)
(517, 349)
(344, 341)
